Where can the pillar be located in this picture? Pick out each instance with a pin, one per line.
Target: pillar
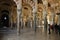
(11, 21)
(21, 21)
(59, 19)
(34, 13)
(19, 10)
(53, 17)
(11, 24)
(53, 13)
(45, 4)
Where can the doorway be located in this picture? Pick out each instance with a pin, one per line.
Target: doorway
(4, 19)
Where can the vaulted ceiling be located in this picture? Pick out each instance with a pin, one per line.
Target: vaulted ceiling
(7, 3)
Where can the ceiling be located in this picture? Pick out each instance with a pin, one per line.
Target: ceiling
(7, 3)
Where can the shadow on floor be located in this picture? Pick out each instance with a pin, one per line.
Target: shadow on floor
(3, 32)
(1, 36)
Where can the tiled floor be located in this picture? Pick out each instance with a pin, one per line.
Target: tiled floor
(27, 34)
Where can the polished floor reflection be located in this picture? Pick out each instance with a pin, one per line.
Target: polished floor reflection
(27, 34)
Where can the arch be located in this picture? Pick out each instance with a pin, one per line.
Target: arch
(27, 5)
(27, 14)
(8, 2)
(4, 18)
(5, 11)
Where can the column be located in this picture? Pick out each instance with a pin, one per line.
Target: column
(53, 13)
(11, 24)
(45, 4)
(59, 19)
(53, 17)
(34, 13)
(21, 21)
(11, 21)
(19, 10)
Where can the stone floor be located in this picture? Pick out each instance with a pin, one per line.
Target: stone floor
(27, 34)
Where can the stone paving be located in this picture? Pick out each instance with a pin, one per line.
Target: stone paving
(27, 34)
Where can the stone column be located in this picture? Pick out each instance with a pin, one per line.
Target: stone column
(21, 21)
(34, 13)
(59, 18)
(11, 21)
(11, 17)
(53, 13)
(45, 4)
(53, 17)
(19, 9)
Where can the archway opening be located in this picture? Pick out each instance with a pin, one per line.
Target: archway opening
(8, 13)
(4, 21)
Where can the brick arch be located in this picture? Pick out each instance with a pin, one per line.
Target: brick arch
(28, 12)
(27, 5)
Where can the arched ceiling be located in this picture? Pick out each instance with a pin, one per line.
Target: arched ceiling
(12, 3)
(7, 3)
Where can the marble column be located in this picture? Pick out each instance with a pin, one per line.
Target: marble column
(21, 21)
(53, 13)
(11, 22)
(34, 13)
(53, 18)
(19, 10)
(59, 19)
(12, 17)
(45, 4)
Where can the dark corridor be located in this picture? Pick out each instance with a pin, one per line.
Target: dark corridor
(4, 21)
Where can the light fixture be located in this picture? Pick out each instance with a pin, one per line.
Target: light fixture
(5, 18)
